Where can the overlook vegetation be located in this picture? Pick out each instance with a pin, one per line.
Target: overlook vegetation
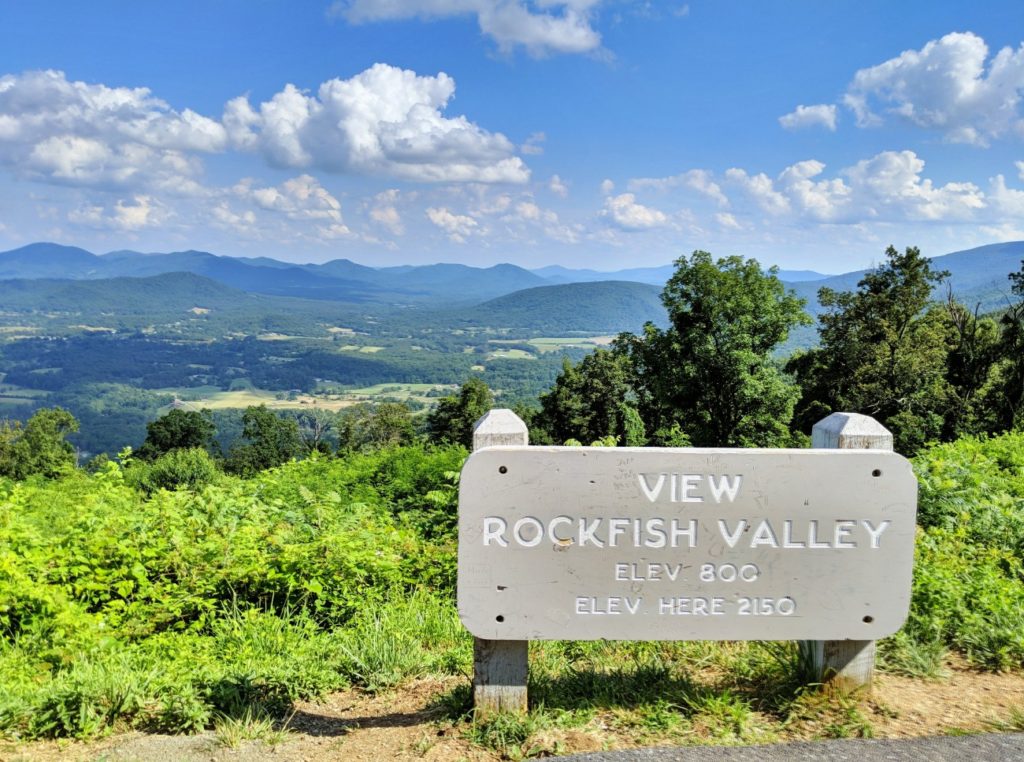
(124, 604)
(231, 566)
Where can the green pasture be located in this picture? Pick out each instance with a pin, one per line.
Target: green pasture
(16, 396)
(402, 392)
(556, 344)
(326, 396)
(511, 354)
(243, 398)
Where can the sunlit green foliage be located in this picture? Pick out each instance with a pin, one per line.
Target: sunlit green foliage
(591, 400)
(709, 378)
(40, 447)
(161, 609)
(177, 430)
(269, 440)
(969, 571)
(453, 419)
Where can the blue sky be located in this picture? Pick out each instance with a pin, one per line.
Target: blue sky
(586, 133)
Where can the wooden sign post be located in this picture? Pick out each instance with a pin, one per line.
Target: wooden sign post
(847, 665)
(500, 667)
(588, 543)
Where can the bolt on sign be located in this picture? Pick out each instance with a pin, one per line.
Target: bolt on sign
(583, 543)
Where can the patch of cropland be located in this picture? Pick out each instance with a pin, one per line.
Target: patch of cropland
(118, 380)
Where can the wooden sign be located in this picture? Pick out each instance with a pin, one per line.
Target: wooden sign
(582, 543)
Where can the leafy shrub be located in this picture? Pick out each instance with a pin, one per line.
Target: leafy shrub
(179, 469)
(968, 590)
(975, 485)
(167, 608)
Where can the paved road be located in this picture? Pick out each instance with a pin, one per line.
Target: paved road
(988, 747)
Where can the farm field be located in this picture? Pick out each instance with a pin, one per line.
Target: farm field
(510, 354)
(402, 392)
(243, 398)
(326, 397)
(556, 344)
(17, 396)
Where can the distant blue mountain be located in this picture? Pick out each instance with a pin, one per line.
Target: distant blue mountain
(656, 276)
(338, 280)
(553, 310)
(48, 260)
(978, 276)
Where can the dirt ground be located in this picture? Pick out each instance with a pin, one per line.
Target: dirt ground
(408, 725)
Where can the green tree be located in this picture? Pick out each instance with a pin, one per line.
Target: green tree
(39, 446)
(1006, 396)
(709, 378)
(177, 430)
(316, 427)
(371, 427)
(974, 351)
(268, 441)
(453, 419)
(181, 468)
(591, 400)
(884, 352)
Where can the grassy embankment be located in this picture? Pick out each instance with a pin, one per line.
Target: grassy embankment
(175, 611)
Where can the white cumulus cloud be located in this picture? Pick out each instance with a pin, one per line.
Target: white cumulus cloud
(385, 121)
(302, 200)
(1009, 201)
(761, 188)
(74, 133)
(383, 211)
(950, 85)
(542, 27)
(557, 186)
(890, 185)
(624, 212)
(818, 199)
(821, 115)
(124, 215)
(699, 180)
(457, 226)
(887, 187)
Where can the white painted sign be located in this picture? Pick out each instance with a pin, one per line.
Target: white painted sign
(586, 543)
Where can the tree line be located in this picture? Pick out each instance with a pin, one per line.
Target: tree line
(929, 370)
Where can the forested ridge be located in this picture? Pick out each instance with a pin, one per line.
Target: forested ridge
(194, 581)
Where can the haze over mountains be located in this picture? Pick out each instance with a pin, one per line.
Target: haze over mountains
(47, 275)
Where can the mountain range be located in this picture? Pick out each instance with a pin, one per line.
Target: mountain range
(52, 276)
